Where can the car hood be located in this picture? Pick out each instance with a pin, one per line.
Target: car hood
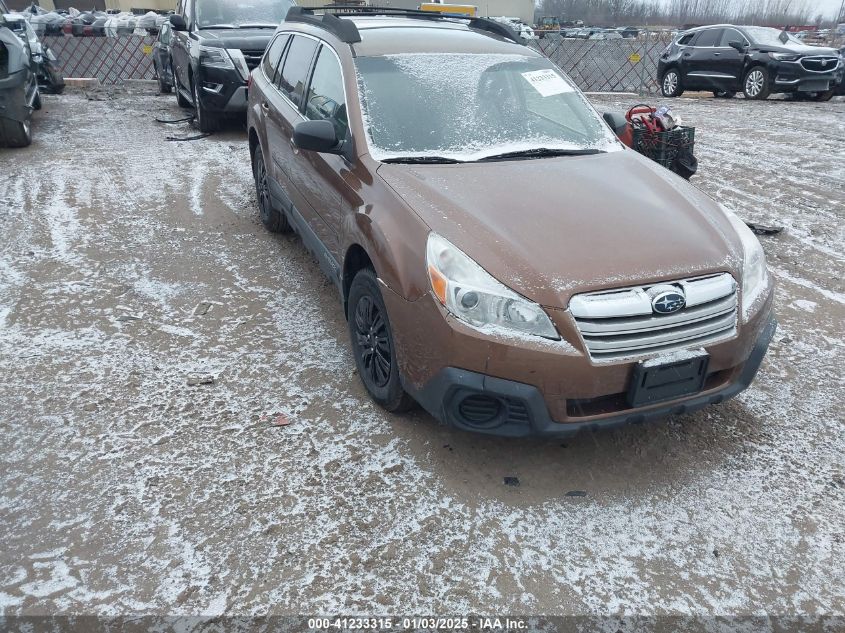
(800, 50)
(244, 39)
(550, 228)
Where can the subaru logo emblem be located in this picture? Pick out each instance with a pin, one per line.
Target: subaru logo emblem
(667, 300)
(824, 62)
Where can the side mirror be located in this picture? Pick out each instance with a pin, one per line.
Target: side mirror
(617, 122)
(178, 23)
(317, 136)
(737, 45)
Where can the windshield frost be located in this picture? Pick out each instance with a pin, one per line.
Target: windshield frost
(772, 37)
(228, 13)
(466, 107)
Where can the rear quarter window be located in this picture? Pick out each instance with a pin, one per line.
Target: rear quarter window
(270, 63)
(295, 69)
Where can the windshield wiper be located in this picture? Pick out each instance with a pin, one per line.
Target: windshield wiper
(433, 160)
(262, 25)
(218, 26)
(542, 152)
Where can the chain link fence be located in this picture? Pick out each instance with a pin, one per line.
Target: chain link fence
(112, 60)
(620, 65)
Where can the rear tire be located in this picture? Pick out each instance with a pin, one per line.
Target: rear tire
(15, 133)
(724, 94)
(756, 84)
(373, 345)
(827, 95)
(163, 87)
(273, 220)
(670, 83)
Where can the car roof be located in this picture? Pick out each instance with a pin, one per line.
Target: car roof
(395, 34)
(386, 35)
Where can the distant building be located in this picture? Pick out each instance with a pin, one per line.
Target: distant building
(522, 9)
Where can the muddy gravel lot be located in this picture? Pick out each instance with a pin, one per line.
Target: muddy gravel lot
(133, 270)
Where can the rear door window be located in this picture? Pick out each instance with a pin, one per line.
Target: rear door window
(326, 100)
(295, 70)
(710, 37)
(274, 53)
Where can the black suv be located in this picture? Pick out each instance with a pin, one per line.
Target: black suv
(754, 59)
(18, 88)
(215, 45)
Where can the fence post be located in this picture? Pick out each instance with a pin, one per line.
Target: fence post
(642, 62)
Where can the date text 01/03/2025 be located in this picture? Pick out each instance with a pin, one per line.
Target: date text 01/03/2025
(475, 623)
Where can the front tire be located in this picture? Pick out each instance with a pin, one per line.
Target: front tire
(671, 85)
(756, 84)
(373, 345)
(272, 219)
(15, 133)
(181, 101)
(205, 121)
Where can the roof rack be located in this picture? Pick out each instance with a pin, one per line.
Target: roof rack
(347, 32)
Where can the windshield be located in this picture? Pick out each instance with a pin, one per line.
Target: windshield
(467, 107)
(223, 13)
(772, 37)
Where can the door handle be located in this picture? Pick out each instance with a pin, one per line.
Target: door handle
(716, 54)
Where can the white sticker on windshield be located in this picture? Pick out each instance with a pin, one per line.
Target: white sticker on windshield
(547, 82)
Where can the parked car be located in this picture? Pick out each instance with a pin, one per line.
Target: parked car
(628, 32)
(500, 256)
(18, 88)
(161, 59)
(840, 87)
(214, 46)
(605, 35)
(47, 71)
(756, 60)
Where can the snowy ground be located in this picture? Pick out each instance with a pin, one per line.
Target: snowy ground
(129, 264)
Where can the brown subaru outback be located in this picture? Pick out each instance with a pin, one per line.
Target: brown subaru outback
(501, 257)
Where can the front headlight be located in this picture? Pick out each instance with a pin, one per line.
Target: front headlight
(754, 273)
(473, 295)
(785, 57)
(215, 57)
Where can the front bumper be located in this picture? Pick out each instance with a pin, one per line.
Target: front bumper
(793, 77)
(222, 90)
(524, 411)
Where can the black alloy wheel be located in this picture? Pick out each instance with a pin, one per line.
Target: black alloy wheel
(373, 344)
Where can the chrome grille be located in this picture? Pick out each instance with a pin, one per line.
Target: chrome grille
(253, 58)
(620, 323)
(820, 63)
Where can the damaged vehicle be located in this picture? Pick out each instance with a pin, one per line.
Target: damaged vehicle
(502, 258)
(47, 71)
(18, 89)
(214, 46)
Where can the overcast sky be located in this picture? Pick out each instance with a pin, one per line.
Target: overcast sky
(829, 7)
